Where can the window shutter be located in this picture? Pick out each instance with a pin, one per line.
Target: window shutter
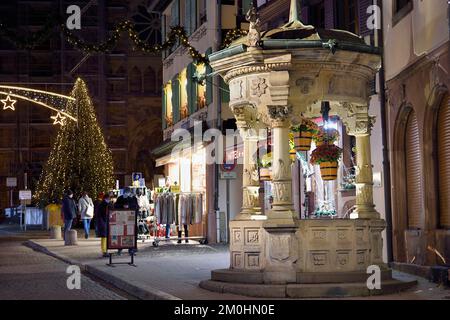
(187, 17)
(444, 162)
(209, 81)
(191, 89)
(163, 113)
(414, 174)
(175, 19)
(224, 91)
(176, 99)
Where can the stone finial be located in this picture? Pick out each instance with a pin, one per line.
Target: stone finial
(254, 32)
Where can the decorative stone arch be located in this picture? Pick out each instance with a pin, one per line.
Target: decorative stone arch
(430, 149)
(399, 203)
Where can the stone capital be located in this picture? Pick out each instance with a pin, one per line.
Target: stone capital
(356, 119)
(279, 116)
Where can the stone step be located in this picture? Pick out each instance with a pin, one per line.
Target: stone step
(257, 277)
(297, 291)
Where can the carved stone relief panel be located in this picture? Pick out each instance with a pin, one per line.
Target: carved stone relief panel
(280, 247)
(319, 234)
(305, 85)
(237, 89)
(348, 86)
(343, 235)
(252, 237)
(237, 260)
(259, 86)
(252, 260)
(361, 258)
(237, 236)
(318, 260)
(343, 259)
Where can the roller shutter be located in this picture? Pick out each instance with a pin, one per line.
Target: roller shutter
(444, 162)
(413, 174)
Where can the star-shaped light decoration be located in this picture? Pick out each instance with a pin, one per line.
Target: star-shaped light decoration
(59, 119)
(8, 103)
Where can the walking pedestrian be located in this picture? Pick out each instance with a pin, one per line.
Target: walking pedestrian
(102, 220)
(86, 208)
(97, 203)
(69, 209)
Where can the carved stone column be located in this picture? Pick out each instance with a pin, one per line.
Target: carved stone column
(282, 211)
(250, 181)
(359, 124)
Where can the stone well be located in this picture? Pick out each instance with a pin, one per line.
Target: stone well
(275, 77)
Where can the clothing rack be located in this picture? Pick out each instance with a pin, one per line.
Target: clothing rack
(201, 239)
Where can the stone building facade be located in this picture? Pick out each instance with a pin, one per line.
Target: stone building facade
(416, 35)
(125, 86)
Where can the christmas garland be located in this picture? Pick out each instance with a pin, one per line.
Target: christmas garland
(233, 35)
(176, 32)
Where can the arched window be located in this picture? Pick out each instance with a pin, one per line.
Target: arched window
(149, 81)
(413, 165)
(443, 142)
(135, 80)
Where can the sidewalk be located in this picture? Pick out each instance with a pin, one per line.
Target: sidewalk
(173, 271)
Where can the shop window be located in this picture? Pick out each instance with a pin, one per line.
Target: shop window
(201, 88)
(168, 109)
(184, 111)
(347, 17)
(135, 80)
(400, 9)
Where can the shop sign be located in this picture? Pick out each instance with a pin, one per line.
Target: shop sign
(227, 167)
(137, 176)
(11, 182)
(175, 189)
(228, 175)
(122, 229)
(25, 195)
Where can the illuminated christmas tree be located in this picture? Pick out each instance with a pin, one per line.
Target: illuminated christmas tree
(80, 159)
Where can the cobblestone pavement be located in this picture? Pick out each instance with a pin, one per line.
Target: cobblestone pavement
(177, 269)
(171, 268)
(26, 274)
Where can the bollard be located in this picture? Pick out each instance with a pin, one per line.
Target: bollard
(55, 232)
(71, 238)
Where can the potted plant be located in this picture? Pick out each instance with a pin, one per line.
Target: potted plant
(265, 167)
(325, 136)
(303, 134)
(327, 156)
(292, 150)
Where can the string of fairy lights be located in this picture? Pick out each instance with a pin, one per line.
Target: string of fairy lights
(176, 33)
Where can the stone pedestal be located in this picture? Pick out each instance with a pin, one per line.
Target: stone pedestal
(71, 238)
(55, 232)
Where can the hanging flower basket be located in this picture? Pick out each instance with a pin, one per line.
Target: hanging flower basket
(328, 170)
(265, 167)
(327, 156)
(325, 136)
(265, 174)
(303, 134)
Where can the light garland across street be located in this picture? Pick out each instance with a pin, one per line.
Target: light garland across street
(53, 101)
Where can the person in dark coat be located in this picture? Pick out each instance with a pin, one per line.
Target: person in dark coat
(69, 210)
(97, 203)
(102, 221)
